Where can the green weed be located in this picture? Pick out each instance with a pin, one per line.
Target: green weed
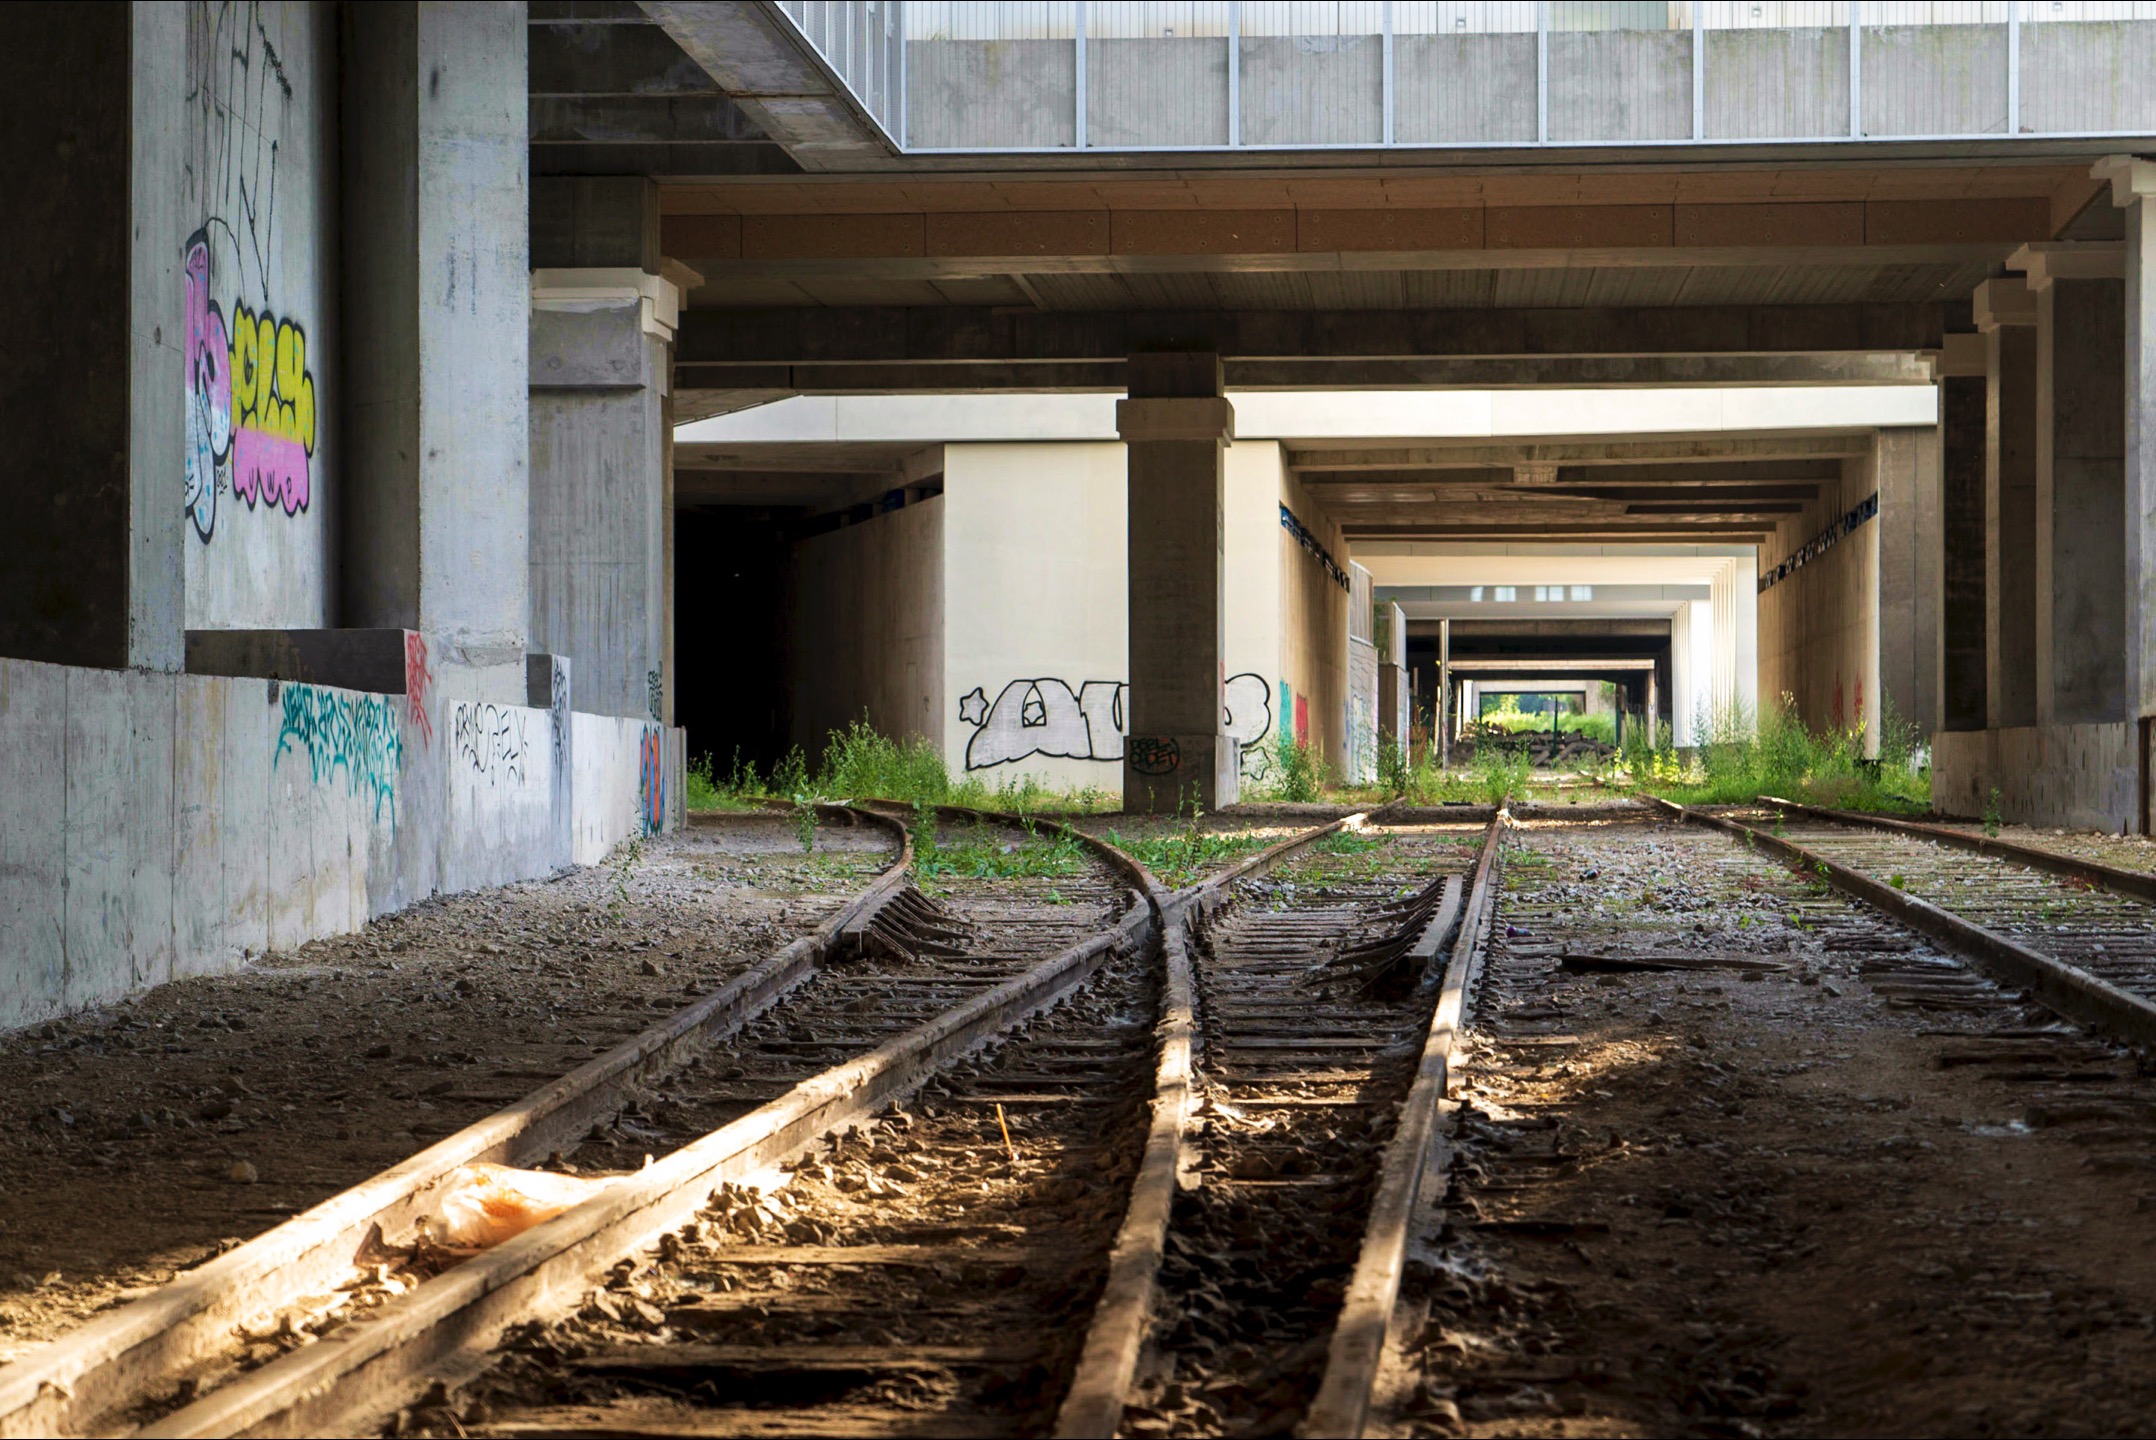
(1991, 814)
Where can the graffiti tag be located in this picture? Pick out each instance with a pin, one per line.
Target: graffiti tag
(651, 779)
(250, 396)
(356, 734)
(558, 708)
(1046, 717)
(418, 680)
(1155, 754)
(489, 741)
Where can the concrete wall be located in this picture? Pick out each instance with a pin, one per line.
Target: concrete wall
(1313, 632)
(1818, 631)
(1777, 83)
(867, 619)
(2077, 775)
(1463, 88)
(1036, 639)
(1313, 89)
(2088, 76)
(1620, 85)
(1935, 80)
(154, 826)
(1605, 85)
(257, 233)
(1019, 93)
(1166, 91)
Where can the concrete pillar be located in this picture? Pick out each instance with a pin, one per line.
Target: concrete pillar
(2133, 183)
(1174, 425)
(601, 485)
(1905, 465)
(91, 564)
(2080, 480)
(1962, 401)
(437, 323)
(2006, 316)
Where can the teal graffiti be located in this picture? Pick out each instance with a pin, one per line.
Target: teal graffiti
(357, 734)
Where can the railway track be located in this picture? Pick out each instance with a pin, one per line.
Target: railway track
(1668, 992)
(976, 1099)
(143, 1356)
(2073, 933)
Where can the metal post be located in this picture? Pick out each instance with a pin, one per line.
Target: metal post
(1542, 72)
(898, 27)
(1388, 71)
(1079, 41)
(1235, 73)
(1699, 70)
(2013, 67)
(1856, 69)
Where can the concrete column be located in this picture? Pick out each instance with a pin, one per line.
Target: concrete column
(2006, 316)
(601, 502)
(2133, 183)
(91, 564)
(1962, 401)
(2080, 480)
(1174, 424)
(437, 321)
(1905, 465)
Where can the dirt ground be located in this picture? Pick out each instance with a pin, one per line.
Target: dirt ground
(140, 1138)
(1810, 1202)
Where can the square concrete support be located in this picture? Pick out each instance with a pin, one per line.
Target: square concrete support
(437, 309)
(2080, 485)
(1905, 464)
(1174, 425)
(92, 102)
(2133, 183)
(2007, 317)
(1962, 401)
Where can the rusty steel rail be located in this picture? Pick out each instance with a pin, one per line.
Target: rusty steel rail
(2134, 884)
(445, 1330)
(1093, 1405)
(2066, 989)
(100, 1368)
(1360, 1338)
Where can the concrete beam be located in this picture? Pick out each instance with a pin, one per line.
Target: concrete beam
(1463, 373)
(1678, 451)
(718, 340)
(758, 61)
(703, 119)
(604, 59)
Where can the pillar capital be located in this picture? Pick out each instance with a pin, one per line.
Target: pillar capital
(2005, 300)
(2049, 260)
(657, 297)
(1184, 417)
(2130, 177)
(1960, 357)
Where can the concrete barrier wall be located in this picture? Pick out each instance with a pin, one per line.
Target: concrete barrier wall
(2084, 776)
(154, 826)
(1608, 86)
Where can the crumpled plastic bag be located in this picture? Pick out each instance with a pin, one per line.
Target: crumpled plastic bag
(480, 1205)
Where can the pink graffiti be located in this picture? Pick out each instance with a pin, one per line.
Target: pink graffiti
(270, 466)
(418, 680)
(208, 358)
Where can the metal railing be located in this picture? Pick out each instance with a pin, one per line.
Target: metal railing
(1019, 76)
